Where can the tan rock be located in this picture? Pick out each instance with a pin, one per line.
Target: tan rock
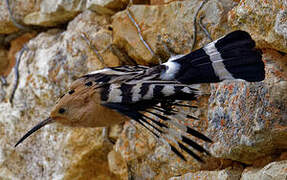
(4, 61)
(19, 9)
(90, 154)
(265, 20)
(248, 120)
(97, 46)
(159, 2)
(117, 165)
(231, 173)
(52, 6)
(15, 46)
(51, 19)
(169, 25)
(54, 59)
(106, 6)
(55, 12)
(115, 131)
(141, 1)
(272, 171)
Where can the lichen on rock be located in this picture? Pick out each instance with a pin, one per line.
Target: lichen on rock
(246, 121)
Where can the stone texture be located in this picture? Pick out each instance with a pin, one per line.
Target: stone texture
(265, 20)
(160, 2)
(248, 120)
(272, 171)
(4, 62)
(231, 173)
(55, 58)
(54, 12)
(51, 19)
(49, 13)
(117, 165)
(106, 6)
(170, 25)
(20, 9)
(94, 34)
(51, 6)
(15, 46)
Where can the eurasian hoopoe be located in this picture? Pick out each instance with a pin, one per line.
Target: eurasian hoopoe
(114, 95)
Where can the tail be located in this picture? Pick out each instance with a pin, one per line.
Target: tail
(231, 57)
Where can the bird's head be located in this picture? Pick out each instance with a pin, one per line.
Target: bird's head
(79, 107)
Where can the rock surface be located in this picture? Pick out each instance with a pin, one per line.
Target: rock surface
(50, 13)
(54, 12)
(265, 20)
(15, 46)
(274, 171)
(54, 59)
(231, 173)
(106, 6)
(168, 27)
(19, 10)
(4, 62)
(247, 121)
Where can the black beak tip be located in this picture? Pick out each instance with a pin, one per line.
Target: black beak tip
(34, 129)
(16, 144)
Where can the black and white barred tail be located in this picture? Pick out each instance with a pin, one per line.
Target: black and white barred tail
(231, 57)
(149, 95)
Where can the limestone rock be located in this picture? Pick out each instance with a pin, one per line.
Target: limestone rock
(15, 46)
(51, 19)
(248, 120)
(49, 13)
(166, 27)
(159, 2)
(19, 9)
(106, 6)
(265, 20)
(231, 173)
(4, 62)
(117, 165)
(98, 46)
(54, 59)
(54, 12)
(51, 6)
(272, 171)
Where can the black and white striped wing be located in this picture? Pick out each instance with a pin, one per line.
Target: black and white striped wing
(140, 92)
(151, 104)
(115, 74)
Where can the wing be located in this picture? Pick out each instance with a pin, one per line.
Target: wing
(139, 93)
(115, 74)
(152, 105)
(149, 95)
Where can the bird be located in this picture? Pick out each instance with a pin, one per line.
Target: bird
(149, 95)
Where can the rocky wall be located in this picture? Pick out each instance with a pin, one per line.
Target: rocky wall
(66, 39)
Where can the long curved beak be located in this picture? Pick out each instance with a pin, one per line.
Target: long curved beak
(34, 129)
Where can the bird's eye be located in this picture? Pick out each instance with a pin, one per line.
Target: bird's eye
(71, 91)
(61, 110)
(89, 83)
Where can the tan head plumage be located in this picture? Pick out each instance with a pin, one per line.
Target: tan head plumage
(81, 107)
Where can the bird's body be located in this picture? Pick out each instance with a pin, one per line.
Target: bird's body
(114, 95)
